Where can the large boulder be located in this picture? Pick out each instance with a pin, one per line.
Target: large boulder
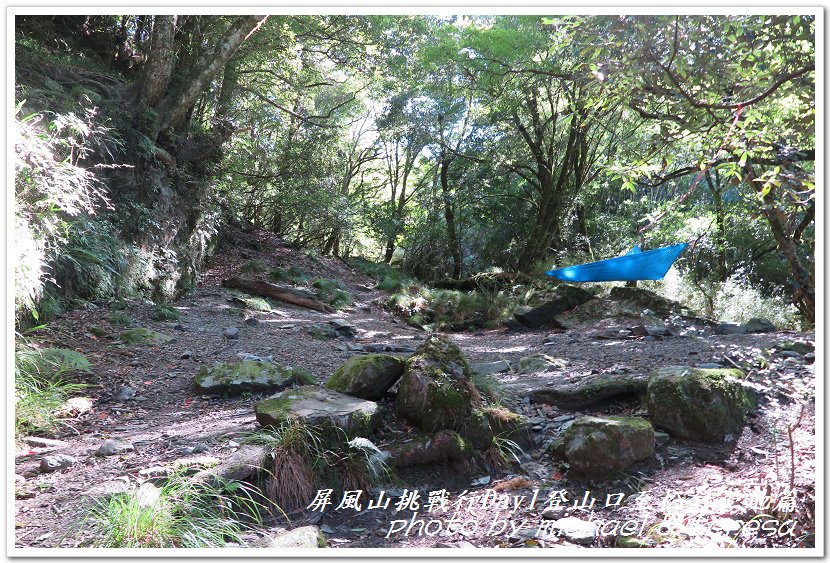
(596, 446)
(445, 446)
(333, 414)
(565, 298)
(367, 377)
(697, 404)
(645, 299)
(236, 377)
(435, 391)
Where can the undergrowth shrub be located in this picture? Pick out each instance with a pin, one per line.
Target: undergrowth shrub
(40, 388)
(333, 293)
(734, 300)
(182, 513)
(293, 274)
(165, 312)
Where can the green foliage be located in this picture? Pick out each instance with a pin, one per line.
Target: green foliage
(165, 312)
(333, 293)
(294, 275)
(39, 388)
(253, 267)
(119, 318)
(184, 513)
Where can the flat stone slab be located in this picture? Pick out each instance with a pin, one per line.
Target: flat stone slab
(249, 375)
(320, 407)
(575, 391)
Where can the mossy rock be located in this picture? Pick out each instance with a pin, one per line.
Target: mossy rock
(250, 375)
(144, 336)
(323, 332)
(367, 377)
(540, 362)
(597, 446)
(165, 312)
(487, 423)
(698, 404)
(435, 391)
(336, 415)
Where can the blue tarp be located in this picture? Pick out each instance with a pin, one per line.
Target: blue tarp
(635, 265)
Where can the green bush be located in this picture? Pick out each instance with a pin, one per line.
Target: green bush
(293, 275)
(182, 513)
(119, 318)
(165, 312)
(333, 293)
(39, 387)
(253, 267)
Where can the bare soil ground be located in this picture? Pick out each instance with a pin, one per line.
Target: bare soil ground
(689, 495)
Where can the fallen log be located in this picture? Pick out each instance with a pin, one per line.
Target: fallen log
(265, 289)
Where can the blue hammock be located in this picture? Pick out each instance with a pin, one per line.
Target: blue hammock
(635, 265)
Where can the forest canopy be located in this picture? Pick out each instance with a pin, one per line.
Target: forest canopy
(446, 146)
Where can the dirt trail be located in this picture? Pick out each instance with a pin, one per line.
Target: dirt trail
(165, 420)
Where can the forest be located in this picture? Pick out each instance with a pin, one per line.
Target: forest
(261, 257)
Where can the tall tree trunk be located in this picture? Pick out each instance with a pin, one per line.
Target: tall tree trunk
(716, 190)
(158, 70)
(176, 105)
(449, 216)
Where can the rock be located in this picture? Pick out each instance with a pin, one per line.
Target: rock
(597, 446)
(698, 404)
(125, 394)
(322, 331)
(244, 463)
(553, 512)
(249, 375)
(576, 391)
(566, 297)
(632, 542)
(186, 355)
(251, 321)
(809, 358)
(55, 462)
(576, 530)
(540, 362)
(480, 481)
(485, 423)
(730, 328)
(199, 448)
(38, 442)
(400, 349)
(648, 338)
(245, 356)
(354, 347)
(320, 407)
(375, 348)
(657, 331)
(435, 390)
(442, 447)
(645, 299)
(491, 368)
(115, 446)
(367, 377)
(791, 354)
(759, 325)
(800, 347)
(304, 537)
(144, 336)
(231, 333)
(661, 437)
(344, 328)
